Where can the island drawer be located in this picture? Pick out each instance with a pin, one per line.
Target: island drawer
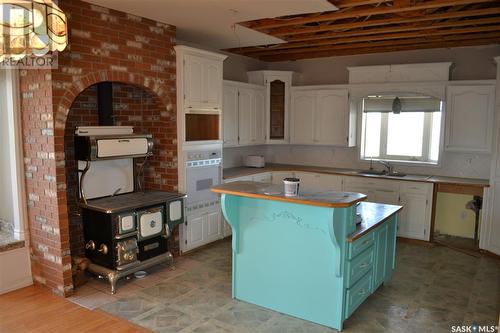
(359, 245)
(358, 266)
(358, 293)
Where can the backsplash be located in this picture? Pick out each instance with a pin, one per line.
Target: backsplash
(452, 164)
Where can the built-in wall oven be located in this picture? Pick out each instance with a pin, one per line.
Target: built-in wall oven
(203, 170)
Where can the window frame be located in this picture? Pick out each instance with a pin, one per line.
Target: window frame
(426, 142)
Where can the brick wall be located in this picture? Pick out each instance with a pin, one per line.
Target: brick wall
(104, 45)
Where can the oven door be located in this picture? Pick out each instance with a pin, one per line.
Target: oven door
(150, 222)
(199, 181)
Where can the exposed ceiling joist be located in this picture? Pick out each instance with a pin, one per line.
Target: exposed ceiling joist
(356, 13)
(392, 39)
(379, 26)
(385, 21)
(381, 49)
(381, 33)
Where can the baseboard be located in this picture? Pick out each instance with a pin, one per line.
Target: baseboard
(416, 241)
(490, 254)
(27, 281)
(204, 246)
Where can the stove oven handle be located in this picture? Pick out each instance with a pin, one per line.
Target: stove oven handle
(166, 234)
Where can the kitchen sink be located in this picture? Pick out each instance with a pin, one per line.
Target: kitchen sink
(395, 174)
(372, 172)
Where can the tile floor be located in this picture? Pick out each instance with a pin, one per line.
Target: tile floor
(431, 289)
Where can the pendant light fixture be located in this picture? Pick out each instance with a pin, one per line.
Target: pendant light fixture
(396, 105)
(33, 27)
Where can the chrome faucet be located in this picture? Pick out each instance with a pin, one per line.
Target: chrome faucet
(388, 166)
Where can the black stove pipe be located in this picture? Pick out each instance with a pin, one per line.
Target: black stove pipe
(105, 103)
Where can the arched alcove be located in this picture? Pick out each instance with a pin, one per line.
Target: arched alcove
(132, 105)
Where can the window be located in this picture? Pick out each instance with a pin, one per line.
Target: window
(401, 128)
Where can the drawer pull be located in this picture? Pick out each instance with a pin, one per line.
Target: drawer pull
(362, 292)
(366, 241)
(363, 265)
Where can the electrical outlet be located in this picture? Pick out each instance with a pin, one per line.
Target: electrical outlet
(463, 215)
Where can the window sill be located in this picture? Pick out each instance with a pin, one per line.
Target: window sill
(401, 162)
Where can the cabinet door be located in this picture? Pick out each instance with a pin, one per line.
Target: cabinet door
(309, 180)
(212, 226)
(469, 113)
(390, 197)
(331, 117)
(193, 82)
(414, 217)
(245, 107)
(212, 88)
(230, 116)
(262, 177)
(302, 124)
(195, 235)
(258, 117)
(330, 183)
(370, 194)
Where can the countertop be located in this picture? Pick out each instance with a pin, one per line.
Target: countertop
(8, 241)
(372, 214)
(246, 171)
(129, 201)
(256, 190)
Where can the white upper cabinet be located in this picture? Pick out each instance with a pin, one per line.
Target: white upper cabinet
(331, 117)
(258, 116)
(302, 123)
(193, 83)
(470, 118)
(321, 116)
(245, 110)
(199, 78)
(243, 114)
(230, 116)
(277, 103)
(202, 83)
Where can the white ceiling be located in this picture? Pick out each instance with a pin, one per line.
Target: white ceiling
(211, 22)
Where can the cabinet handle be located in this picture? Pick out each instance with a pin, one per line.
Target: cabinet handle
(362, 292)
(363, 265)
(366, 241)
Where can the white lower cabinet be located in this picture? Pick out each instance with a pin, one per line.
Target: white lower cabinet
(321, 182)
(415, 197)
(203, 228)
(415, 218)
(265, 177)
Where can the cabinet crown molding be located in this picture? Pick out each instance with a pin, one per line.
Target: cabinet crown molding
(437, 71)
(192, 50)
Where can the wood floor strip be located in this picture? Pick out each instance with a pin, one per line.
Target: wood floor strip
(33, 309)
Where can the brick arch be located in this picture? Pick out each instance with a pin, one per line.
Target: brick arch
(168, 180)
(151, 84)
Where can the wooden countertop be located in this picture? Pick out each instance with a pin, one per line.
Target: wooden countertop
(246, 171)
(275, 192)
(373, 214)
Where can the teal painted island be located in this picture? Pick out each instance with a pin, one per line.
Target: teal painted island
(305, 256)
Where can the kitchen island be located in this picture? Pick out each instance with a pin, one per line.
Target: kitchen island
(305, 256)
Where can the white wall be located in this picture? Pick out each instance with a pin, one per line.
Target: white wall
(470, 63)
(6, 208)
